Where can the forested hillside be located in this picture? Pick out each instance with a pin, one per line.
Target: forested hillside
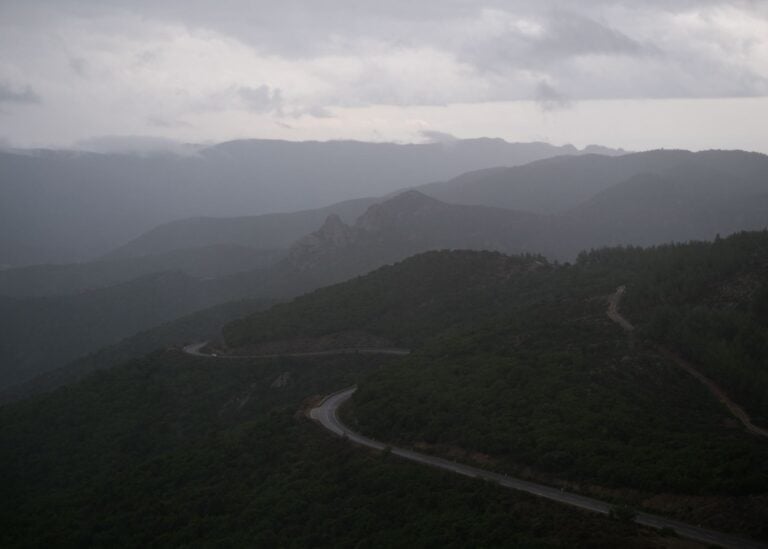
(517, 365)
(708, 302)
(407, 302)
(200, 454)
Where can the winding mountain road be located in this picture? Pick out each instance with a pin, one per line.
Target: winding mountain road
(326, 414)
(736, 411)
(194, 349)
(613, 309)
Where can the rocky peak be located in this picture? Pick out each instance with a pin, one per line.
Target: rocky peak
(333, 235)
(334, 231)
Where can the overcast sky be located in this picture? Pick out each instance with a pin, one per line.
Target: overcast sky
(635, 74)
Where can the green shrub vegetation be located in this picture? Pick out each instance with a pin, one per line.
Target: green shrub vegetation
(708, 302)
(516, 359)
(515, 365)
(173, 450)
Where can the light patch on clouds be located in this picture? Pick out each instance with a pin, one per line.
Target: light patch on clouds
(435, 136)
(315, 111)
(160, 122)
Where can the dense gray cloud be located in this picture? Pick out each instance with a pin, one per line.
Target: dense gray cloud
(571, 34)
(186, 66)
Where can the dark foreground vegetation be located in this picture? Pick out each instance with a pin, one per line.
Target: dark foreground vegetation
(517, 367)
(174, 450)
(708, 302)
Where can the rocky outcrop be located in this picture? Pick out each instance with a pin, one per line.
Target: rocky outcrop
(318, 246)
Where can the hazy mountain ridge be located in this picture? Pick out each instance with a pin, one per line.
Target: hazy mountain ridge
(694, 198)
(556, 193)
(709, 194)
(685, 196)
(212, 261)
(268, 231)
(558, 184)
(85, 204)
(404, 225)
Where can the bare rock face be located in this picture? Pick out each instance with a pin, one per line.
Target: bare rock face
(327, 240)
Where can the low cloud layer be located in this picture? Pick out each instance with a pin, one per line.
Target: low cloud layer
(191, 69)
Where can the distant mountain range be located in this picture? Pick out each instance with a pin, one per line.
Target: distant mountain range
(264, 232)
(568, 204)
(60, 206)
(578, 202)
(203, 262)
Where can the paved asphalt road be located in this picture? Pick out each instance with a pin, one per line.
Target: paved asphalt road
(326, 414)
(195, 350)
(737, 411)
